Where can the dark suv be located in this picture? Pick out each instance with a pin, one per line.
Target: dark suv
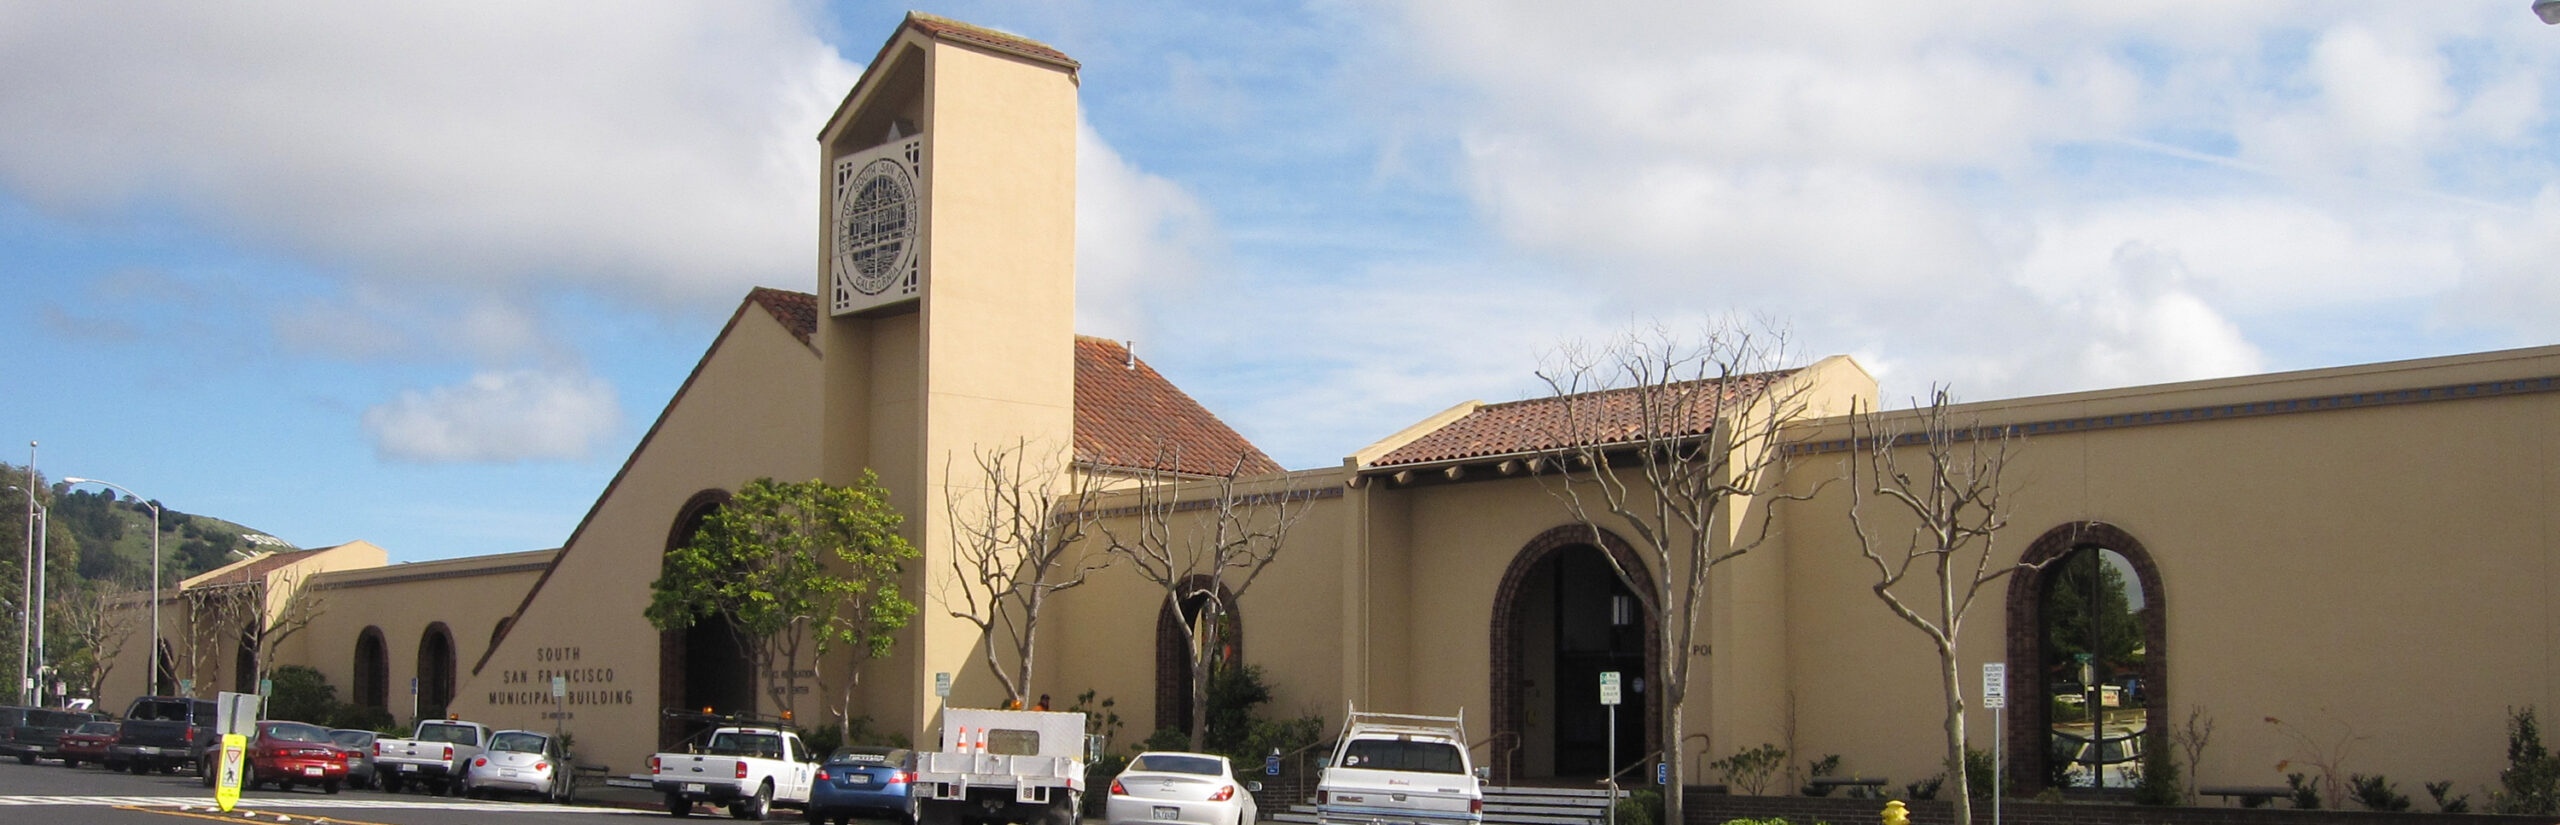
(163, 733)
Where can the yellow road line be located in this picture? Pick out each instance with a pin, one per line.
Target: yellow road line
(237, 816)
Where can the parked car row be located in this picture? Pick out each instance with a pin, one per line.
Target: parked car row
(164, 734)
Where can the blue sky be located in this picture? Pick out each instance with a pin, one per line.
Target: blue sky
(422, 274)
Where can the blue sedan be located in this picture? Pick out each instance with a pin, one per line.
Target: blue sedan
(866, 782)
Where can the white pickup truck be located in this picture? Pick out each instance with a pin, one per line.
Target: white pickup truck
(1019, 766)
(750, 769)
(1395, 769)
(431, 758)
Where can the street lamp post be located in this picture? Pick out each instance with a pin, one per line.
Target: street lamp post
(35, 603)
(154, 652)
(31, 602)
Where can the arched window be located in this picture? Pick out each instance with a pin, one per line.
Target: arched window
(435, 670)
(372, 687)
(2086, 643)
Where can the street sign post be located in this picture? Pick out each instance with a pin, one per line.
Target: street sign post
(1609, 696)
(1995, 695)
(942, 684)
(235, 717)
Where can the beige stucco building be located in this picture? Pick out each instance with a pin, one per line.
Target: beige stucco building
(2366, 553)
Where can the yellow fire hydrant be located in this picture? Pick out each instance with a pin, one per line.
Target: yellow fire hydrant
(1894, 814)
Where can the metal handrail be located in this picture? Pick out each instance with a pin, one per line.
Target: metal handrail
(1508, 757)
(1612, 779)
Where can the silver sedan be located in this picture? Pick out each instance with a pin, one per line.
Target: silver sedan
(1182, 788)
(521, 761)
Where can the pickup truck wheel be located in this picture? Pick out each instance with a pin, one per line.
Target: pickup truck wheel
(69, 762)
(1062, 812)
(679, 806)
(390, 784)
(26, 759)
(138, 768)
(754, 808)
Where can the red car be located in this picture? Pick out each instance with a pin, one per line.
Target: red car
(290, 753)
(87, 743)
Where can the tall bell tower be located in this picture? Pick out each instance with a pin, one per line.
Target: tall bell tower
(946, 263)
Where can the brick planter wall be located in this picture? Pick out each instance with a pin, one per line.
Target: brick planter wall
(1715, 809)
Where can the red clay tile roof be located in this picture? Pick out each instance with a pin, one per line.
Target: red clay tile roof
(1124, 416)
(1539, 425)
(1129, 416)
(798, 311)
(255, 572)
(949, 29)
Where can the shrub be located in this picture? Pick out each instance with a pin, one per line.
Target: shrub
(2306, 792)
(2531, 782)
(2376, 793)
(2457, 805)
(1749, 770)
(301, 694)
(2158, 783)
(1829, 764)
(1638, 808)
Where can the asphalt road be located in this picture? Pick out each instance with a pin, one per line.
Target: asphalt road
(48, 793)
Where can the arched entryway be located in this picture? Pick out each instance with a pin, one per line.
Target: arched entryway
(435, 670)
(1173, 658)
(244, 663)
(2086, 650)
(372, 680)
(1561, 617)
(700, 666)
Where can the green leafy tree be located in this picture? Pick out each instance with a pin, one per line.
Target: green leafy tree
(792, 568)
(302, 694)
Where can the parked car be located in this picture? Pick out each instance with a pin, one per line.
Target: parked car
(520, 761)
(748, 768)
(1392, 767)
(290, 753)
(359, 745)
(38, 733)
(163, 733)
(1186, 788)
(867, 782)
(87, 743)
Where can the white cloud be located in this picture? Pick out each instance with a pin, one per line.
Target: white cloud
(496, 417)
(2019, 196)
(1142, 241)
(657, 152)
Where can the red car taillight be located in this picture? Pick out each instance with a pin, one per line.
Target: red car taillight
(541, 766)
(1224, 793)
(822, 776)
(1475, 806)
(1324, 797)
(901, 778)
(653, 764)
(480, 762)
(377, 749)
(448, 753)
(1116, 790)
(742, 769)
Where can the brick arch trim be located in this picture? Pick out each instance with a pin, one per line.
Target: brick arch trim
(1173, 661)
(672, 651)
(1509, 703)
(2031, 714)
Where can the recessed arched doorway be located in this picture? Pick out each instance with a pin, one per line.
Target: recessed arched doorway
(701, 666)
(372, 686)
(1561, 617)
(435, 671)
(1173, 658)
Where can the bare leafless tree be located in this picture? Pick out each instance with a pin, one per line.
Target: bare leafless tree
(1015, 543)
(99, 619)
(257, 615)
(1681, 444)
(1204, 540)
(1937, 483)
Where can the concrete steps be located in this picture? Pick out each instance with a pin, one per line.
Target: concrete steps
(1509, 806)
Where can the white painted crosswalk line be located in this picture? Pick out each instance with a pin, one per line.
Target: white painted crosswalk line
(254, 802)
